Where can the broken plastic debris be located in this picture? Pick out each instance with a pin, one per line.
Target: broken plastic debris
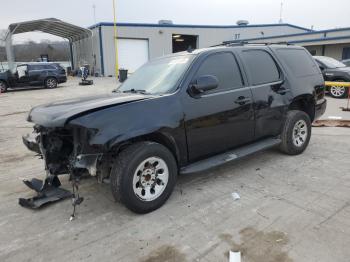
(235, 256)
(235, 196)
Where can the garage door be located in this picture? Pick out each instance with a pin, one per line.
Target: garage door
(132, 53)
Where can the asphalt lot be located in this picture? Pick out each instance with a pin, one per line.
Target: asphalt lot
(291, 208)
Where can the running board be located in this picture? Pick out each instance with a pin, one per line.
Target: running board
(230, 155)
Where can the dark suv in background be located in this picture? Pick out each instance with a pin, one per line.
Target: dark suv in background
(336, 71)
(182, 113)
(33, 74)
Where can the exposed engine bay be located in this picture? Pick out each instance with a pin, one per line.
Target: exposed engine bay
(64, 151)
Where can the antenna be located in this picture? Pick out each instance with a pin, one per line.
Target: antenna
(94, 8)
(281, 11)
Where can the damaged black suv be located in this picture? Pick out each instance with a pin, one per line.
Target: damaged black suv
(179, 114)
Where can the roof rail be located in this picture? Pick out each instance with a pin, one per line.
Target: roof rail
(241, 43)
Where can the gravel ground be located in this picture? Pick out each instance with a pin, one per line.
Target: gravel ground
(291, 208)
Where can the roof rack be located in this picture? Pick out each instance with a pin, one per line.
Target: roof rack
(241, 43)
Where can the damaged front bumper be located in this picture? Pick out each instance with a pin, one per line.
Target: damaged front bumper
(70, 160)
(48, 191)
(63, 153)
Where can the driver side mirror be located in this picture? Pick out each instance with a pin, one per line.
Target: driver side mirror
(203, 84)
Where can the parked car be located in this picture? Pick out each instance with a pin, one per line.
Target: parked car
(182, 113)
(346, 62)
(33, 74)
(336, 71)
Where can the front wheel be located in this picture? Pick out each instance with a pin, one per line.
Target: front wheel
(51, 82)
(143, 176)
(3, 87)
(296, 133)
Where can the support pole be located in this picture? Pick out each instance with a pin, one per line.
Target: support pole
(9, 52)
(115, 41)
(71, 54)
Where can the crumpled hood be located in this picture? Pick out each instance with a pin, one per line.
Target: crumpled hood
(56, 114)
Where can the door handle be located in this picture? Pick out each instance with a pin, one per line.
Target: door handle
(282, 90)
(242, 100)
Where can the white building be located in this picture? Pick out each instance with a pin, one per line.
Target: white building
(333, 42)
(137, 43)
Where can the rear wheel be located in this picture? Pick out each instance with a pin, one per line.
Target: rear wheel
(338, 91)
(143, 176)
(51, 82)
(296, 133)
(3, 87)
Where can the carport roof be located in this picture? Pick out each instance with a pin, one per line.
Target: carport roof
(51, 26)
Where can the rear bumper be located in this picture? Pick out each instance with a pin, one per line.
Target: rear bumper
(62, 79)
(320, 108)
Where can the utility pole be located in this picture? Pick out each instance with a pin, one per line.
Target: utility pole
(115, 41)
(281, 10)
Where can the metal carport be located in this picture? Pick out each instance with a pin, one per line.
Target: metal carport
(49, 25)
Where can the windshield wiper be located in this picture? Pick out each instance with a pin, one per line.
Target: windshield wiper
(140, 91)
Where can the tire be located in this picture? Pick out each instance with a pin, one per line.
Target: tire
(3, 87)
(132, 178)
(294, 141)
(338, 91)
(51, 82)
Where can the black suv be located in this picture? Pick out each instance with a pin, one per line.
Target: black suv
(33, 74)
(336, 71)
(182, 113)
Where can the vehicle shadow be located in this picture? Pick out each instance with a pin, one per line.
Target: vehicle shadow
(21, 89)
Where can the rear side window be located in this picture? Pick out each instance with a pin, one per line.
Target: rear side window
(36, 67)
(225, 68)
(298, 61)
(261, 66)
(51, 67)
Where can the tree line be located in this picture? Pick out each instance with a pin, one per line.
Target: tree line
(31, 51)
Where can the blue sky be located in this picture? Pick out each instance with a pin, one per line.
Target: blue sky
(322, 14)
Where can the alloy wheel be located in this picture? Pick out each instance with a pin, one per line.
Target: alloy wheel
(338, 91)
(300, 133)
(150, 178)
(51, 83)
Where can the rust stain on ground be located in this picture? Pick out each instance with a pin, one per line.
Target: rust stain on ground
(259, 246)
(165, 254)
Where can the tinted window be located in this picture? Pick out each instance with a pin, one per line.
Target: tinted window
(36, 67)
(225, 68)
(298, 61)
(51, 67)
(261, 66)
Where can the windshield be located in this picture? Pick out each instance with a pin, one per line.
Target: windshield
(330, 62)
(159, 76)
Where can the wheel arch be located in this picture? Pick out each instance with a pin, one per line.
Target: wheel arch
(47, 77)
(6, 84)
(159, 137)
(5, 81)
(305, 103)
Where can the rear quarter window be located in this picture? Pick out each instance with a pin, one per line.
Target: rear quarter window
(50, 67)
(36, 67)
(298, 61)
